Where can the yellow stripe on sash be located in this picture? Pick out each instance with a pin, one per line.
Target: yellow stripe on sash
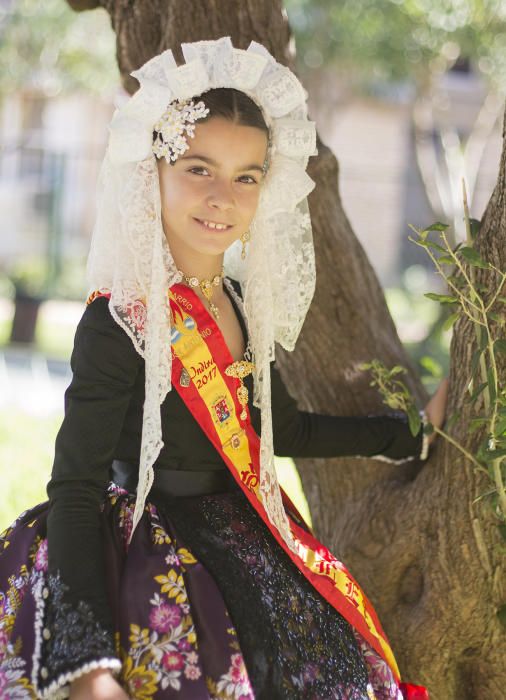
(196, 358)
(350, 590)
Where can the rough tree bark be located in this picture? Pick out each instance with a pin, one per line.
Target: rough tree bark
(427, 557)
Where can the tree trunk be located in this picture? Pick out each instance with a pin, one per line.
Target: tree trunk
(427, 557)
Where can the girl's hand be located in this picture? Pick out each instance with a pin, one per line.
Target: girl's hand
(97, 685)
(436, 407)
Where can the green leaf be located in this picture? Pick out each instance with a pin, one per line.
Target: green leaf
(500, 345)
(446, 260)
(492, 492)
(500, 427)
(438, 226)
(501, 445)
(475, 423)
(436, 246)
(473, 257)
(414, 419)
(502, 530)
(450, 320)
(397, 369)
(442, 298)
(478, 391)
(474, 225)
(497, 317)
(432, 366)
(483, 339)
(475, 360)
(492, 455)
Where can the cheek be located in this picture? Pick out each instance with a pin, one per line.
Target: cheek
(250, 202)
(174, 192)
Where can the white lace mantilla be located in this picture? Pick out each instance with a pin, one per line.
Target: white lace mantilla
(130, 257)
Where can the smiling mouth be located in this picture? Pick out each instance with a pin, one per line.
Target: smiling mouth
(210, 226)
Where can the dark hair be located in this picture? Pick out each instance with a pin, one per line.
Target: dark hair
(230, 104)
(233, 105)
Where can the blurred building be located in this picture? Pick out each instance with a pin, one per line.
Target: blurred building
(51, 149)
(401, 159)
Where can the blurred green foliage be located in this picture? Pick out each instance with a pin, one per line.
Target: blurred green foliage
(28, 276)
(397, 40)
(429, 354)
(25, 461)
(420, 323)
(31, 275)
(46, 46)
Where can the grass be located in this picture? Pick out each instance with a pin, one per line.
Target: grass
(26, 456)
(55, 340)
(5, 330)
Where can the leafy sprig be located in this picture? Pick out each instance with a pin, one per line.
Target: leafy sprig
(484, 304)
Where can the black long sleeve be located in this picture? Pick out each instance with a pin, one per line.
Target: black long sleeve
(105, 366)
(304, 434)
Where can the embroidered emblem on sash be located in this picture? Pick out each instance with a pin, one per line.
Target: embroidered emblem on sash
(184, 378)
(235, 441)
(222, 409)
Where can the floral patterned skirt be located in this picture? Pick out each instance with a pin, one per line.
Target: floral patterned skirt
(206, 605)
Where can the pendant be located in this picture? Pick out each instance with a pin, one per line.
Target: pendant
(184, 378)
(242, 395)
(214, 310)
(239, 370)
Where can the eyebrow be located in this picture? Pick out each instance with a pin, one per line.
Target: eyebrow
(210, 161)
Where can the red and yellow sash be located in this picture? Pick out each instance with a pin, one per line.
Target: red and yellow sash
(201, 356)
(198, 346)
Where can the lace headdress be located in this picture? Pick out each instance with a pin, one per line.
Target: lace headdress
(130, 257)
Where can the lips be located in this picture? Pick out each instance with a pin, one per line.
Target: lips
(213, 228)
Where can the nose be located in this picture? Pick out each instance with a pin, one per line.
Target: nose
(220, 196)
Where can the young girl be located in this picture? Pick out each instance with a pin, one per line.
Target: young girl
(167, 562)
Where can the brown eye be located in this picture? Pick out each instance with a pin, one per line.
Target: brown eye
(195, 168)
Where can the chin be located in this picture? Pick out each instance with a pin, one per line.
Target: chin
(213, 251)
(214, 247)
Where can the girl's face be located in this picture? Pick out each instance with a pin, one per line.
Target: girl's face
(217, 180)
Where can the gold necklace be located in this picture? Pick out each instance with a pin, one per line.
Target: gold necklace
(207, 287)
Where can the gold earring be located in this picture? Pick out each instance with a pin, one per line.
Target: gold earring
(244, 239)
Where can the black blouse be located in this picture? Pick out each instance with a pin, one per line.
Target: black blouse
(103, 421)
